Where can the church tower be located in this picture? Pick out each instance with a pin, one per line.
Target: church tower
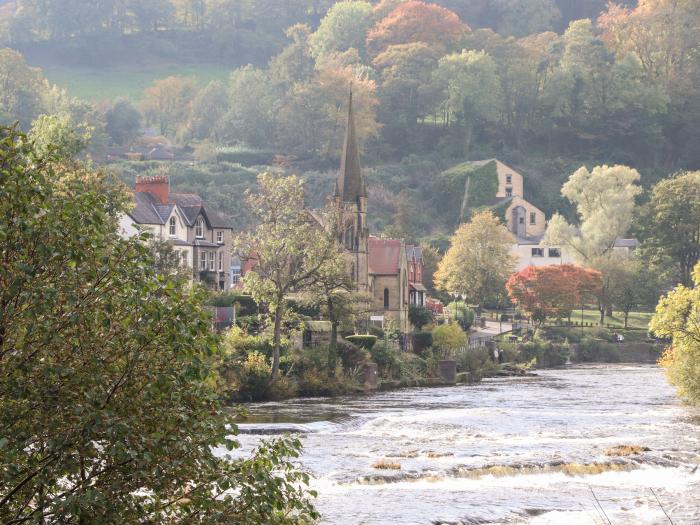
(351, 201)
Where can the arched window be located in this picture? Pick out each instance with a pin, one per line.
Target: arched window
(199, 228)
(173, 226)
(386, 298)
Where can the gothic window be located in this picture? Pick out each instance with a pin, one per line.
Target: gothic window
(349, 241)
(173, 226)
(386, 298)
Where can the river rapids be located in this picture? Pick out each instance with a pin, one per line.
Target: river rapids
(531, 450)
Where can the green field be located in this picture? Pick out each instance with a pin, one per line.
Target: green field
(639, 320)
(98, 85)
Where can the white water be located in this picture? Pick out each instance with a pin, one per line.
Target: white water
(527, 432)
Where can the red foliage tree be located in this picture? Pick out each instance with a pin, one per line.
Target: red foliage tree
(416, 21)
(552, 291)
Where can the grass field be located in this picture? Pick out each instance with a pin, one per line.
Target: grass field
(97, 85)
(638, 320)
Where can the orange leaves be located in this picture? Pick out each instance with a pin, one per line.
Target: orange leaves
(416, 21)
(553, 291)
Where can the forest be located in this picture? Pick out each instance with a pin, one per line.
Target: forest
(546, 86)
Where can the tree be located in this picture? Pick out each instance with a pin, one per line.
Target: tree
(668, 224)
(604, 198)
(208, 108)
(526, 17)
(471, 90)
(678, 319)
(168, 102)
(22, 88)
(123, 122)
(345, 26)
(479, 262)
(415, 21)
(632, 285)
(107, 407)
(288, 251)
(553, 290)
(54, 135)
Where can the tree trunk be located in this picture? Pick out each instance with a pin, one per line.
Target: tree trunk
(333, 344)
(276, 343)
(601, 309)
(627, 314)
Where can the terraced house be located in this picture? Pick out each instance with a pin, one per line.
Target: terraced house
(199, 234)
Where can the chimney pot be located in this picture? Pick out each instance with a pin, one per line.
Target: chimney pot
(156, 185)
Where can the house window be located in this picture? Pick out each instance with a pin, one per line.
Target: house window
(538, 252)
(173, 226)
(235, 274)
(221, 261)
(203, 261)
(386, 298)
(199, 228)
(211, 261)
(554, 252)
(509, 192)
(509, 179)
(533, 217)
(521, 220)
(220, 237)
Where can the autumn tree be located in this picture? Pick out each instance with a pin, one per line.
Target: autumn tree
(677, 318)
(553, 290)
(289, 253)
(415, 21)
(168, 102)
(604, 199)
(669, 226)
(478, 262)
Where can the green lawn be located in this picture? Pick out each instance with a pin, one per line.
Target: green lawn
(107, 84)
(636, 319)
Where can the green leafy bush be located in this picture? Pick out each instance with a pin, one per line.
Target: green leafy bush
(246, 304)
(474, 360)
(448, 338)
(352, 356)
(422, 341)
(594, 350)
(385, 357)
(410, 367)
(545, 353)
(419, 316)
(365, 341)
(462, 314)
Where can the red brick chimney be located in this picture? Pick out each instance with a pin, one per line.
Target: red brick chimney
(156, 185)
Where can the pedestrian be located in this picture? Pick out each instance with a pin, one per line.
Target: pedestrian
(495, 354)
(500, 355)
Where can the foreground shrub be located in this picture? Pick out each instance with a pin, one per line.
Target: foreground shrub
(447, 339)
(422, 341)
(385, 356)
(352, 356)
(475, 360)
(410, 367)
(593, 350)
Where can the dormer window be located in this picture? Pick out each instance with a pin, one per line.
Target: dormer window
(199, 228)
(220, 237)
(172, 227)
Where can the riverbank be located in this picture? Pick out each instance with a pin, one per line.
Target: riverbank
(521, 450)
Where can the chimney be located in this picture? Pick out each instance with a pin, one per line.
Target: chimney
(156, 185)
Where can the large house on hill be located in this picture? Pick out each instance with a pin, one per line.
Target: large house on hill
(199, 234)
(528, 223)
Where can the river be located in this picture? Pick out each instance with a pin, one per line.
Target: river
(512, 450)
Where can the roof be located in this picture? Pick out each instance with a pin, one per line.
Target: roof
(501, 168)
(418, 286)
(384, 256)
(414, 253)
(149, 210)
(350, 185)
(527, 241)
(626, 243)
(317, 326)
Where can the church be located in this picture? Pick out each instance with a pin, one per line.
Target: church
(389, 270)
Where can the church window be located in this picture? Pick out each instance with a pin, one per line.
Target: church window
(386, 298)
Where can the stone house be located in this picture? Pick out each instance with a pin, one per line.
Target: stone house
(199, 234)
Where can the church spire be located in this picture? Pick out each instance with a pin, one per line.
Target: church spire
(350, 185)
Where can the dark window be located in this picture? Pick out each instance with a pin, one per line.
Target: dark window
(509, 192)
(173, 227)
(509, 179)
(554, 252)
(386, 298)
(307, 340)
(521, 220)
(533, 217)
(538, 252)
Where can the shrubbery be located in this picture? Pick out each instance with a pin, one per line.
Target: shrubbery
(365, 341)
(595, 350)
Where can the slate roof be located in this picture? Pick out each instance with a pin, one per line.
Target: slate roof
(414, 253)
(149, 210)
(384, 256)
